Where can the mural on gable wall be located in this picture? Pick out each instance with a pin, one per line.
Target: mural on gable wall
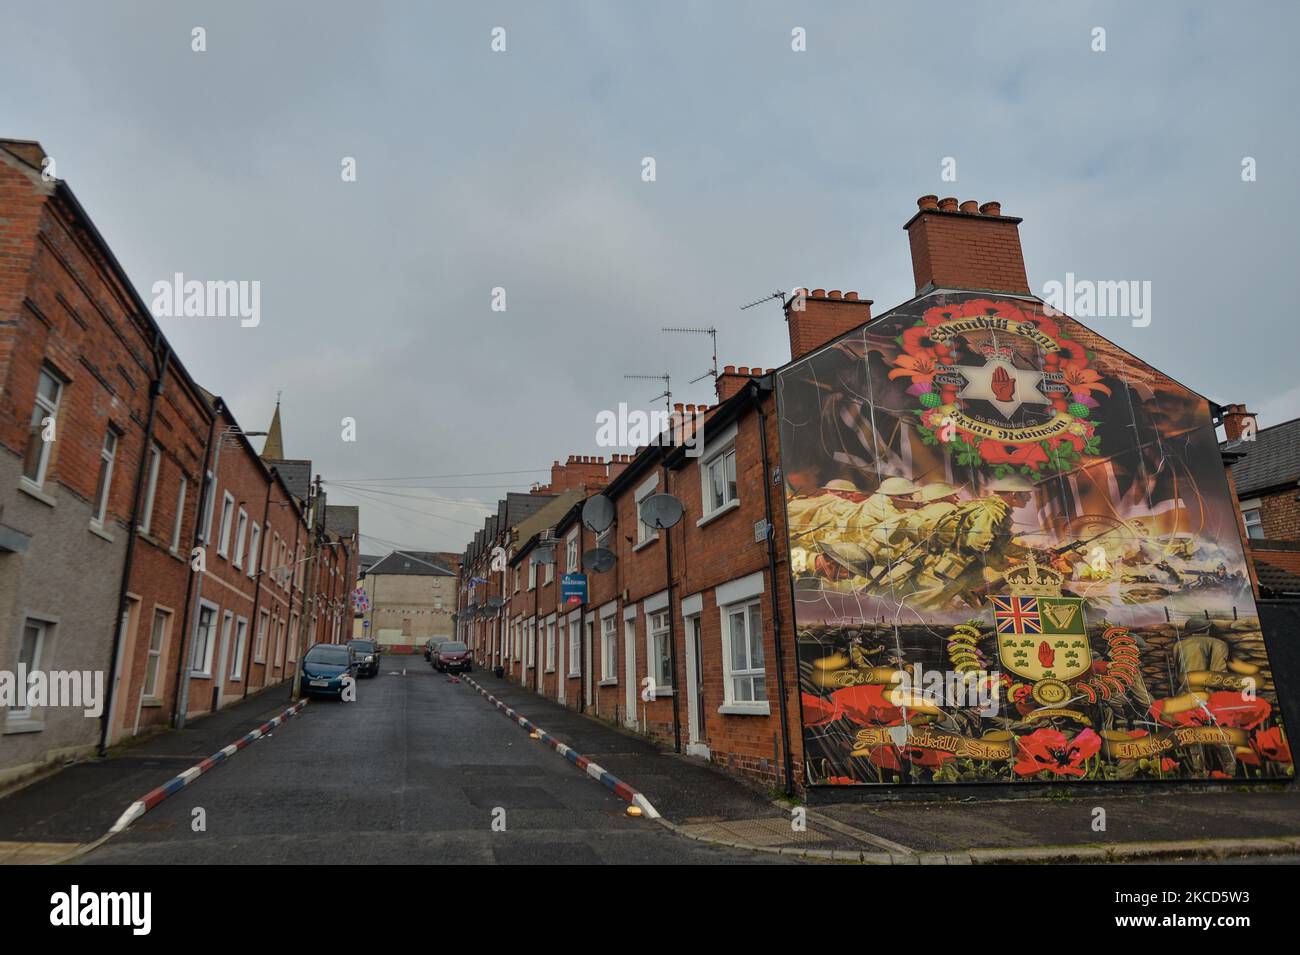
(1015, 557)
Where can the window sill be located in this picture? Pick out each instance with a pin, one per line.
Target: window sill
(663, 691)
(151, 702)
(198, 675)
(745, 709)
(33, 490)
(575, 675)
(612, 681)
(645, 543)
(23, 724)
(549, 670)
(727, 508)
(98, 531)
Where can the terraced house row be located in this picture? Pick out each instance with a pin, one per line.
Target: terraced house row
(117, 471)
(893, 502)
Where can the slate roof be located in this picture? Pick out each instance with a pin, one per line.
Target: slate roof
(1271, 460)
(366, 561)
(295, 473)
(342, 520)
(1274, 581)
(411, 563)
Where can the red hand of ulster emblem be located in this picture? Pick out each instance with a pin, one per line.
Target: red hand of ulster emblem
(1046, 654)
(1004, 386)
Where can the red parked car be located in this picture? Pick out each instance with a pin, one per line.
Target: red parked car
(452, 656)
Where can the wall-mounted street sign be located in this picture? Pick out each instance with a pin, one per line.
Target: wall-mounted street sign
(573, 589)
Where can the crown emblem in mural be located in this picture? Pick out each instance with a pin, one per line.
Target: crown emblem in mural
(1033, 580)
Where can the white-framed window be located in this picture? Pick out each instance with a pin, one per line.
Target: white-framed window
(744, 676)
(162, 620)
(529, 647)
(719, 475)
(532, 572)
(30, 646)
(103, 488)
(293, 642)
(209, 505)
(227, 521)
(259, 642)
(46, 408)
(227, 622)
(659, 650)
(550, 645)
(241, 638)
(1252, 516)
(279, 641)
(609, 648)
(241, 534)
(204, 632)
(179, 523)
(516, 580)
(151, 488)
(575, 648)
(571, 552)
(254, 545)
(644, 532)
(272, 566)
(550, 570)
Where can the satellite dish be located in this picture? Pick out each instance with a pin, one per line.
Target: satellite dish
(598, 513)
(599, 559)
(495, 603)
(544, 555)
(661, 510)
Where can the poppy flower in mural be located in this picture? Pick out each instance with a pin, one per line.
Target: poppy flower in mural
(1271, 745)
(995, 452)
(886, 757)
(930, 758)
(1168, 765)
(1048, 750)
(840, 781)
(818, 711)
(867, 705)
(1226, 708)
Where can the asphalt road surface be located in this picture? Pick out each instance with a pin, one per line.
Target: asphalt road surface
(414, 771)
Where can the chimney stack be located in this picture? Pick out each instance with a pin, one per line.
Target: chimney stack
(824, 316)
(731, 380)
(1234, 421)
(966, 245)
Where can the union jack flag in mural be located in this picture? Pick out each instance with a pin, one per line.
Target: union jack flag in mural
(1017, 614)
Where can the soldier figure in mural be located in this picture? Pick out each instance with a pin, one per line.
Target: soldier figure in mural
(978, 488)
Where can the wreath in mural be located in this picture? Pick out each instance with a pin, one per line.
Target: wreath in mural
(1066, 383)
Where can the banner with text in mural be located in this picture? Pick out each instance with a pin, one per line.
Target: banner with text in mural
(1015, 558)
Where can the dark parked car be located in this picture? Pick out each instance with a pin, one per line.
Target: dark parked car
(452, 656)
(367, 652)
(429, 646)
(325, 667)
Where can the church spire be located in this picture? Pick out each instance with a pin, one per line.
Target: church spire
(273, 450)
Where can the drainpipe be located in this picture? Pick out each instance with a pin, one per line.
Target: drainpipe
(672, 637)
(180, 701)
(155, 390)
(251, 640)
(776, 611)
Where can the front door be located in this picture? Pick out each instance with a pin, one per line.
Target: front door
(694, 690)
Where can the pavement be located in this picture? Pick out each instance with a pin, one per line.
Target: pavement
(421, 769)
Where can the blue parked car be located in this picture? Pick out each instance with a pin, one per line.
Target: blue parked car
(324, 667)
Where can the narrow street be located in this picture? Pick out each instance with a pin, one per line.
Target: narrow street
(409, 773)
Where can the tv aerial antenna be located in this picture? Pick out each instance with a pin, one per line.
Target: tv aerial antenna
(668, 387)
(712, 333)
(766, 298)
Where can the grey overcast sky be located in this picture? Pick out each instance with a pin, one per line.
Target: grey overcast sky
(522, 169)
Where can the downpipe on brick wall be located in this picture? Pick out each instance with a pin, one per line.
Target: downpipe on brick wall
(776, 611)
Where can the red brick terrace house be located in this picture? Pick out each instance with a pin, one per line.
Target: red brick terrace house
(1266, 479)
